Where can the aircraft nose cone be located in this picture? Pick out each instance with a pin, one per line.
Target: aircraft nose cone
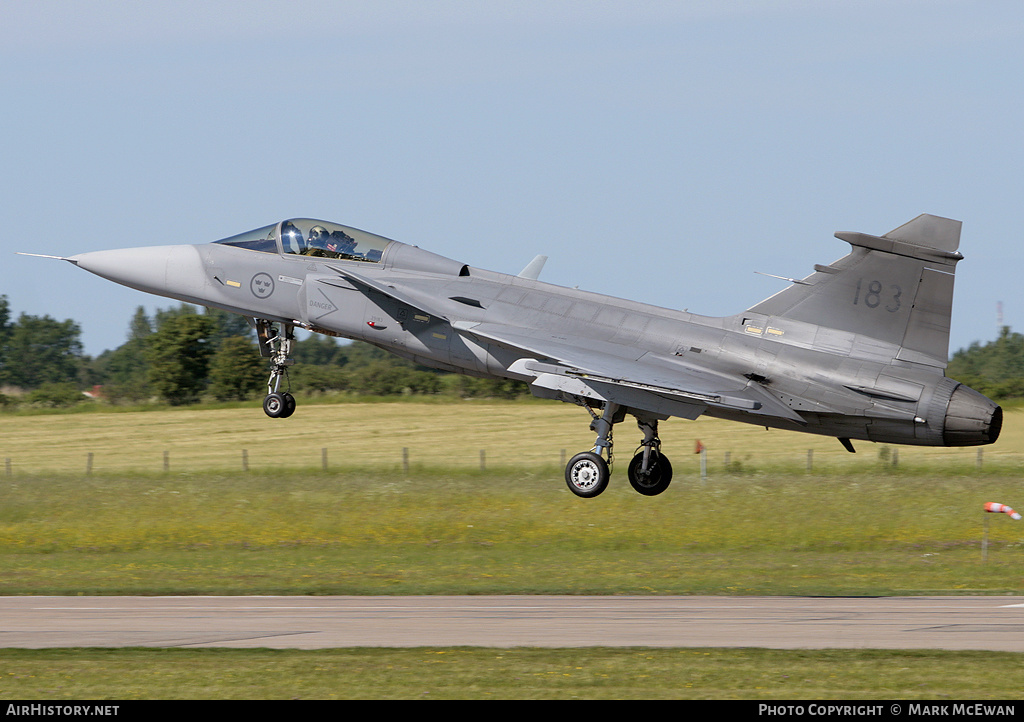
(174, 271)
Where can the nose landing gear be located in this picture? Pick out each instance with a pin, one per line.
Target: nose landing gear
(276, 346)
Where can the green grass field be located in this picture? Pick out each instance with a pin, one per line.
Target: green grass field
(759, 524)
(504, 531)
(522, 435)
(884, 521)
(55, 675)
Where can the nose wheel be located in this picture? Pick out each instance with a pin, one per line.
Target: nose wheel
(279, 405)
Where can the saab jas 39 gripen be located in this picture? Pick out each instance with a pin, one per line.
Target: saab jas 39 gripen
(855, 350)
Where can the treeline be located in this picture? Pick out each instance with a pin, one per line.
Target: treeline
(995, 369)
(183, 355)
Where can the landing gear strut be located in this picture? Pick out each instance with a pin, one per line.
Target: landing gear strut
(649, 471)
(277, 346)
(587, 474)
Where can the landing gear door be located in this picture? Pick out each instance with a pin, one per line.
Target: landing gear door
(264, 333)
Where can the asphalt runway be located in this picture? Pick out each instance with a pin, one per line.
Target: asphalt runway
(982, 623)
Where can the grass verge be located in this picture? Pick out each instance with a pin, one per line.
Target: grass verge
(519, 673)
(503, 532)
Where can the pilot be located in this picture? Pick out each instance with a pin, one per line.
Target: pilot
(316, 244)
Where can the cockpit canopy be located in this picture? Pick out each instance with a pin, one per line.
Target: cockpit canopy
(309, 237)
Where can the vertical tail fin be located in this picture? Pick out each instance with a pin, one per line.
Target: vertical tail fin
(897, 288)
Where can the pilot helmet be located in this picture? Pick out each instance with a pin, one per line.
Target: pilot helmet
(318, 236)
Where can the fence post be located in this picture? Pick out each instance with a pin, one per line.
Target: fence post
(483, 460)
(984, 539)
(245, 460)
(810, 460)
(88, 465)
(167, 461)
(405, 459)
(323, 458)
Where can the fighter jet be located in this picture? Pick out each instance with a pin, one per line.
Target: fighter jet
(855, 350)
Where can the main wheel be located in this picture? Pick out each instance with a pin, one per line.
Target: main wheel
(656, 479)
(289, 405)
(274, 406)
(587, 474)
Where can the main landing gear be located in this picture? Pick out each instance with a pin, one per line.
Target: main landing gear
(587, 474)
(276, 346)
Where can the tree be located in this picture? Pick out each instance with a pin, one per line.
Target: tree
(227, 324)
(318, 350)
(179, 354)
(318, 378)
(140, 328)
(163, 315)
(995, 369)
(381, 378)
(124, 372)
(236, 370)
(54, 395)
(41, 350)
(5, 333)
(472, 387)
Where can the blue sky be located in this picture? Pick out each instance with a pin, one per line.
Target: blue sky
(659, 151)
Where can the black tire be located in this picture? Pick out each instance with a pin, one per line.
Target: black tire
(657, 478)
(289, 405)
(274, 405)
(587, 474)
